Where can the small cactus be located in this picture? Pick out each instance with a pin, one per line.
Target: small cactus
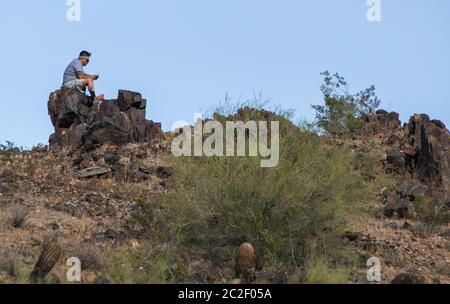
(50, 255)
(245, 263)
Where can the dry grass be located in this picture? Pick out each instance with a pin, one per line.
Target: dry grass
(19, 216)
(91, 257)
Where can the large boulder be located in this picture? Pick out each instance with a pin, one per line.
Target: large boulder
(412, 190)
(431, 142)
(80, 124)
(396, 206)
(408, 279)
(395, 160)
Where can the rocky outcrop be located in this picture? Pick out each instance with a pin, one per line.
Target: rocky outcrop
(80, 124)
(400, 200)
(127, 163)
(430, 155)
(422, 146)
(382, 122)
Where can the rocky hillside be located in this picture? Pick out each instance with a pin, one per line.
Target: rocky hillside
(410, 229)
(106, 164)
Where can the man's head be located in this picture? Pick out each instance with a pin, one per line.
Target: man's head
(84, 57)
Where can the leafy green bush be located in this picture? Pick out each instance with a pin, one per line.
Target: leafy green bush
(320, 272)
(433, 211)
(293, 214)
(151, 265)
(342, 113)
(16, 270)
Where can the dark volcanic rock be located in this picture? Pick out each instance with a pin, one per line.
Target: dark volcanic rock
(163, 172)
(438, 123)
(411, 189)
(396, 206)
(408, 279)
(108, 234)
(431, 141)
(421, 146)
(396, 159)
(80, 124)
(393, 140)
(382, 122)
(92, 172)
(111, 157)
(137, 174)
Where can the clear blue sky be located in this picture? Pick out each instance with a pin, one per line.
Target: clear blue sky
(185, 55)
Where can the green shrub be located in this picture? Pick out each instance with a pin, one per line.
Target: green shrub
(320, 272)
(151, 265)
(433, 211)
(342, 113)
(15, 270)
(293, 214)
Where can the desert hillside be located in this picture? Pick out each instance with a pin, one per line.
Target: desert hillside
(108, 190)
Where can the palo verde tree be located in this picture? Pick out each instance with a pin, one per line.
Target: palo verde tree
(342, 113)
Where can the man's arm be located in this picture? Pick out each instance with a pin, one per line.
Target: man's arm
(83, 75)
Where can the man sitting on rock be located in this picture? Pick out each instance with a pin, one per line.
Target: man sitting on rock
(75, 77)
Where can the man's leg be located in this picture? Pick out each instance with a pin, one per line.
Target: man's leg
(90, 84)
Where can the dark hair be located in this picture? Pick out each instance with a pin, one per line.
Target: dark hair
(85, 53)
